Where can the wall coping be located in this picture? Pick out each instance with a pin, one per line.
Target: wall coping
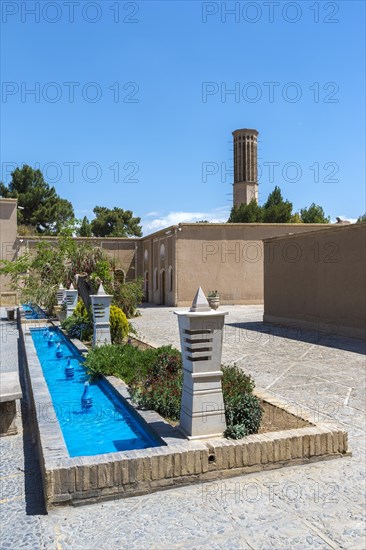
(320, 231)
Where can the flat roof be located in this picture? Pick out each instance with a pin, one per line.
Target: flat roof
(329, 227)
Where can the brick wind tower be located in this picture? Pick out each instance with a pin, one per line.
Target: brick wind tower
(245, 166)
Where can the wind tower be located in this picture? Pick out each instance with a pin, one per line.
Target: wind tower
(245, 166)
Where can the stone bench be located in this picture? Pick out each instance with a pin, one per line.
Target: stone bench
(10, 390)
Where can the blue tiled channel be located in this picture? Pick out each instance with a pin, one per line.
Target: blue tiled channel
(33, 311)
(109, 425)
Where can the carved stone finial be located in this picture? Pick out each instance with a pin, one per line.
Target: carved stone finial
(200, 302)
(101, 291)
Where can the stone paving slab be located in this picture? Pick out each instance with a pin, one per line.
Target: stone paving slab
(321, 505)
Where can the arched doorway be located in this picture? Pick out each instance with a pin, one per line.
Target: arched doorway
(162, 287)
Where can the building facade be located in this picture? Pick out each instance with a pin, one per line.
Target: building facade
(175, 261)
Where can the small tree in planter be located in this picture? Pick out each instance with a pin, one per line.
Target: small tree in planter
(213, 299)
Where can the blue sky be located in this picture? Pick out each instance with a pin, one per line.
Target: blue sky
(131, 102)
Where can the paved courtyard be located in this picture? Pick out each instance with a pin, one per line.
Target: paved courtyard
(320, 506)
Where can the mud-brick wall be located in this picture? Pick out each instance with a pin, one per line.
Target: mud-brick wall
(318, 280)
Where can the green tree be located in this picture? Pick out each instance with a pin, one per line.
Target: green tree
(36, 275)
(115, 222)
(246, 213)
(296, 218)
(277, 210)
(361, 219)
(85, 228)
(41, 206)
(314, 214)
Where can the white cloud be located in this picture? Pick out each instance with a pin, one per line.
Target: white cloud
(218, 215)
(345, 218)
(152, 214)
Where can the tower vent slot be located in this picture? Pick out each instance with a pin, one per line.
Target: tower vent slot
(195, 359)
(190, 350)
(198, 332)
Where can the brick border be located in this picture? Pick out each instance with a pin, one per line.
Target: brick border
(90, 479)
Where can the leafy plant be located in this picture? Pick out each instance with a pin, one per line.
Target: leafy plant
(81, 311)
(119, 325)
(161, 388)
(155, 379)
(213, 294)
(243, 412)
(36, 277)
(127, 296)
(243, 415)
(124, 361)
(162, 394)
(235, 382)
(76, 326)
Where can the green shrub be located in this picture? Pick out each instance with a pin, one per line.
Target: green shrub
(119, 325)
(79, 324)
(76, 326)
(123, 361)
(163, 394)
(155, 378)
(168, 360)
(235, 382)
(242, 409)
(161, 388)
(81, 311)
(243, 415)
(128, 296)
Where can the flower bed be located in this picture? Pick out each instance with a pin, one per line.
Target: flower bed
(155, 379)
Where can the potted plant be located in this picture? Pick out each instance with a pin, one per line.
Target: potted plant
(213, 299)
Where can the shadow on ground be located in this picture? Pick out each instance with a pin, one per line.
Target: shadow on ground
(34, 499)
(326, 337)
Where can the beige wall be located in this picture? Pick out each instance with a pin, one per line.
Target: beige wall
(8, 233)
(318, 280)
(158, 252)
(175, 261)
(227, 258)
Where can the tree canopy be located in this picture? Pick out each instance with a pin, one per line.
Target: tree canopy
(36, 274)
(115, 222)
(313, 214)
(247, 213)
(276, 210)
(40, 206)
(85, 228)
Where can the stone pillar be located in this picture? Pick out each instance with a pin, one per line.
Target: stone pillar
(60, 294)
(101, 305)
(71, 297)
(201, 332)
